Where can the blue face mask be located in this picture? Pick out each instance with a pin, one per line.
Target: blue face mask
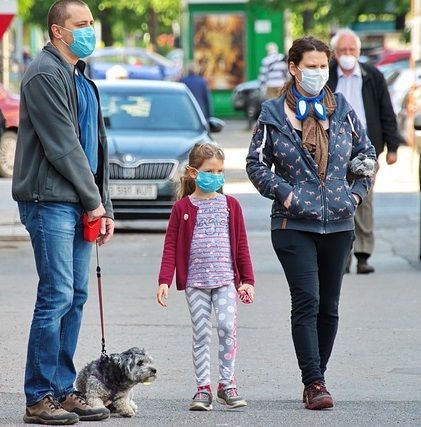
(84, 41)
(209, 182)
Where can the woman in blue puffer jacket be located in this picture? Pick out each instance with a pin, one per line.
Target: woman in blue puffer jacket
(311, 155)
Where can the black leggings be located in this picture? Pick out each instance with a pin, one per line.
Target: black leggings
(314, 265)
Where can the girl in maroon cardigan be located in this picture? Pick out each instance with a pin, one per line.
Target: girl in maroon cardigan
(206, 245)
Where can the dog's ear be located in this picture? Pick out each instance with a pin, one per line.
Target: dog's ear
(115, 359)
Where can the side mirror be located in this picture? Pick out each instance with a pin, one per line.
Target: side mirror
(417, 122)
(215, 125)
(107, 122)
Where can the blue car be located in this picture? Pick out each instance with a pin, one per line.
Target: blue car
(131, 63)
(151, 127)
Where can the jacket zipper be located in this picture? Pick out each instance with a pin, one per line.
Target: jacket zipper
(323, 188)
(324, 201)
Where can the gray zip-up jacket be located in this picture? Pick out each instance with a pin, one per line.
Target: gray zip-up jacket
(320, 206)
(50, 164)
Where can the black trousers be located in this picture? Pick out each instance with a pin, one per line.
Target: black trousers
(314, 265)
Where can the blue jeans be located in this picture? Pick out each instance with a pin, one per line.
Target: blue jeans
(62, 260)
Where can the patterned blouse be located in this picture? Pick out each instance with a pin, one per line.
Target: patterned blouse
(210, 263)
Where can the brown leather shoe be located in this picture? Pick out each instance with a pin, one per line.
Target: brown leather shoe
(76, 402)
(48, 411)
(316, 396)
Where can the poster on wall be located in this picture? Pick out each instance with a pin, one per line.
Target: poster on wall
(218, 48)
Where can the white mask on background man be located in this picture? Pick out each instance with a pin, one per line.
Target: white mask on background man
(347, 62)
(313, 80)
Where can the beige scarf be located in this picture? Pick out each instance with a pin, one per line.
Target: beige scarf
(315, 138)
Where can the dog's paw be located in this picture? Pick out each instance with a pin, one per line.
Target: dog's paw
(127, 412)
(133, 406)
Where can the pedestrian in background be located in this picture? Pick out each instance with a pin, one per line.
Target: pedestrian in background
(26, 58)
(199, 88)
(311, 137)
(273, 71)
(365, 88)
(206, 244)
(60, 172)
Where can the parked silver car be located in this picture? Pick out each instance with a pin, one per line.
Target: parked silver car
(151, 127)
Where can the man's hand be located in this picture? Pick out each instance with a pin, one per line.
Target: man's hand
(162, 294)
(391, 158)
(99, 212)
(107, 230)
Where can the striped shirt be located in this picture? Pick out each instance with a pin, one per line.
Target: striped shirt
(273, 70)
(210, 262)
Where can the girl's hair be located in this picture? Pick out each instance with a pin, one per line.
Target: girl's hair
(198, 154)
(299, 48)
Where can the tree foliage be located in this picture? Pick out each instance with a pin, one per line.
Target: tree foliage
(318, 16)
(118, 18)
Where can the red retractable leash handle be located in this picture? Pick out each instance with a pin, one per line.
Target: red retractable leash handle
(91, 229)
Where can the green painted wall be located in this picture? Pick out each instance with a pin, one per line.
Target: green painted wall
(254, 42)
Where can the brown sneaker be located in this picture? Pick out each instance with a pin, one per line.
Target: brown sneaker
(316, 396)
(76, 402)
(48, 411)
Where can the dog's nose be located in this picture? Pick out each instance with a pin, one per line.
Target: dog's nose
(153, 370)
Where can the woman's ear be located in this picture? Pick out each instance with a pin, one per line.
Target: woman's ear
(293, 69)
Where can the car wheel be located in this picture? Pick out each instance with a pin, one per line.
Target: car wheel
(7, 153)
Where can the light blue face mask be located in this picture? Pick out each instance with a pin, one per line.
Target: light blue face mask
(209, 182)
(84, 41)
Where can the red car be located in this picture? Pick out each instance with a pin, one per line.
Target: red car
(389, 56)
(9, 106)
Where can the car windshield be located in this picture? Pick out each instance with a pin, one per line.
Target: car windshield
(149, 111)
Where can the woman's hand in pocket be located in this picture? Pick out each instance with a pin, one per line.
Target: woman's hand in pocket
(288, 200)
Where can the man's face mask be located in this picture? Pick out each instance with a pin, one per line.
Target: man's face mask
(84, 41)
(347, 62)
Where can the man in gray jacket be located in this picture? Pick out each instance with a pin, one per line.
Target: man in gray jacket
(60, 173)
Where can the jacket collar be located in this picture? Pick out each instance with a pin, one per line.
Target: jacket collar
(50, 48)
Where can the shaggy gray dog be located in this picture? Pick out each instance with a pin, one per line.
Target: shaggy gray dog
(109, 380)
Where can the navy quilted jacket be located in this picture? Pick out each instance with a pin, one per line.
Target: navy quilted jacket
(277, 164)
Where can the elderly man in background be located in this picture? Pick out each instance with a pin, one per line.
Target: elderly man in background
(365, 88)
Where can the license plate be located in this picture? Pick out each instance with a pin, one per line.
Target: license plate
(133, 191)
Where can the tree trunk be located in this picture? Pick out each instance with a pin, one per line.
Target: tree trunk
(153, 25)
(105, 17)
(107, 33)
(307, 20)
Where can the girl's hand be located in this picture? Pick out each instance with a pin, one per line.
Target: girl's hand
(162, 294)
(246, 293)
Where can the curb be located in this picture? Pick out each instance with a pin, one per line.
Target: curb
(13, 232)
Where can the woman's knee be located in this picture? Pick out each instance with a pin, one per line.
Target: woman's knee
(304, 305)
